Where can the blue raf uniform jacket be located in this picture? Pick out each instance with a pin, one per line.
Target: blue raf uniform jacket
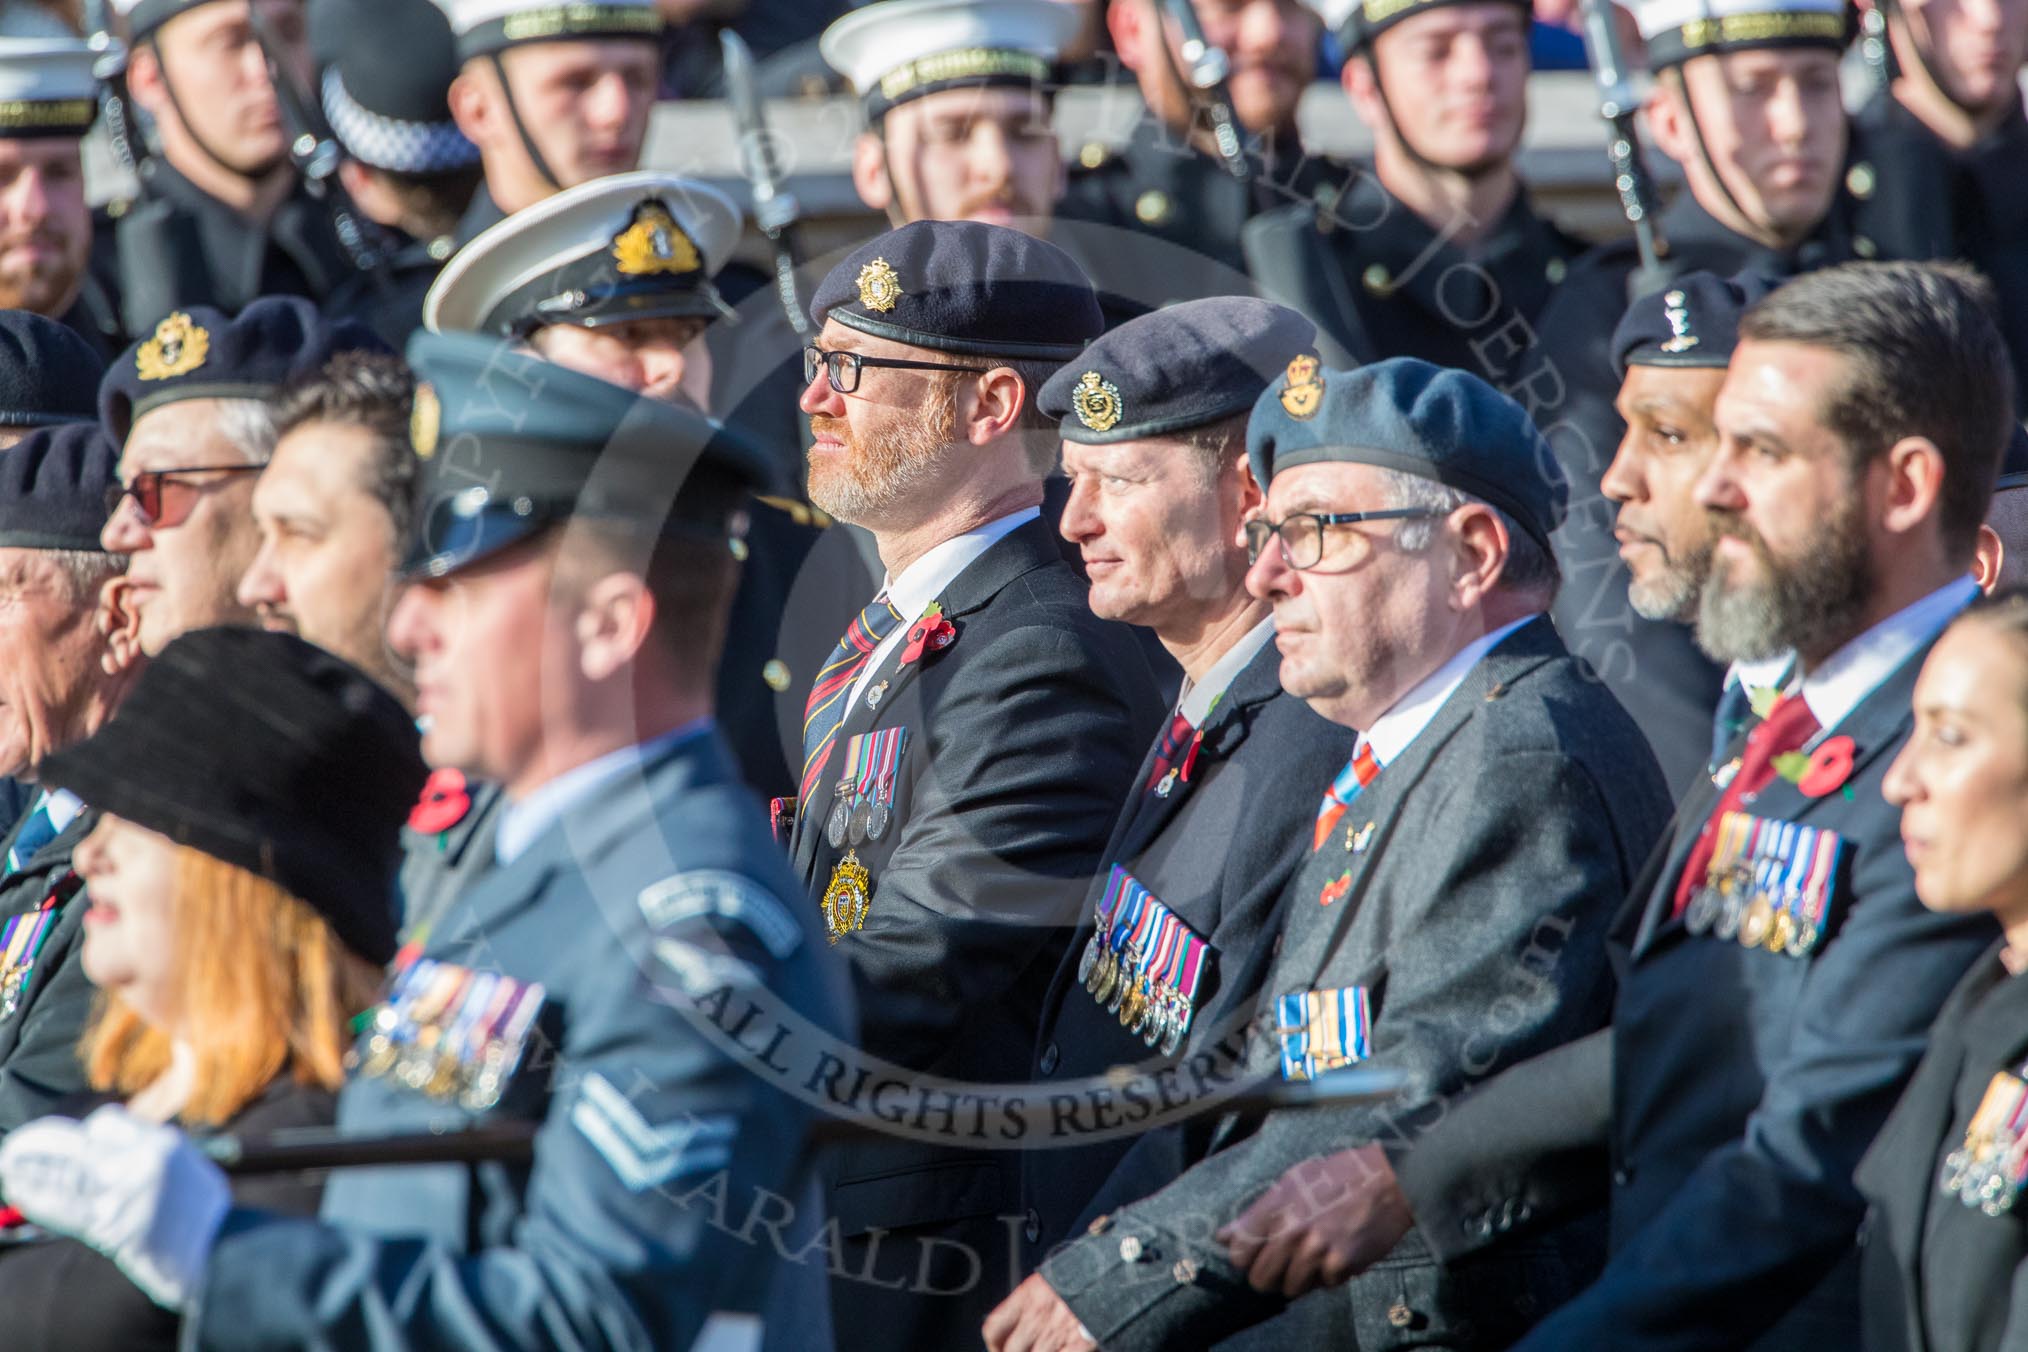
(652, 913)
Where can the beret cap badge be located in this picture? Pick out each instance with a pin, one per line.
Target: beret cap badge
(1678, 315)
(1097, 401)
(424, 418)
(879, 286)
(179, 347)
(1303, 395)
(654, 244)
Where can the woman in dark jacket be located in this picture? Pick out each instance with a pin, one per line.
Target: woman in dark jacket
(1948, 1233)
(241, 877)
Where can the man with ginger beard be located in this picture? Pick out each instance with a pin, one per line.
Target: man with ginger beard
(223, 217)
(48, 102)
(1435, 251)
(967, 744)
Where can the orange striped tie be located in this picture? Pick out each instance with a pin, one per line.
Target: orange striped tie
(1356, 775)
(824, 713)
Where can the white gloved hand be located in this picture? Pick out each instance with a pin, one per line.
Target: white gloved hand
(139, 1193)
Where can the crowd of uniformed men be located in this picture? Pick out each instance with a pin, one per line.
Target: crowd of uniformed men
(1192, 745)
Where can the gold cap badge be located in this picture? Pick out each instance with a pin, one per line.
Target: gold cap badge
(879, 286)
(1097, 401)
(178, 348)
(423, 419)
(654, 244)
(1303, 395)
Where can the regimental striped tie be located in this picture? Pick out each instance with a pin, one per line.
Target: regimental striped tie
(1357, 774)
(37, 830)
(825, 711)
(1180, 730)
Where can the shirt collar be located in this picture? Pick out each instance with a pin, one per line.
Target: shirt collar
(1766, 673)
(924, 580)
(1848, 676)
(63, 807)
(1201, 697)
(1394, 730)
(522, 823)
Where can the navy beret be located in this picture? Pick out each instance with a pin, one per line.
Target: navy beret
(964, 287)
(1176, 368)
(201, 353)
(55, 487)
(1407, 415)
(1694, 321)
(48, 374)
(510, 444)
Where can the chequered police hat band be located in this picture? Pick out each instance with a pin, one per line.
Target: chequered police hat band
(392, 143)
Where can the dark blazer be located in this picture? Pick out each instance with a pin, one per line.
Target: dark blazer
(1469, 891)
(62, 1296)
(1379, 281)
(1941, 1276)
(1219, 851)
(1744, 1087)
(39, 1066)
(1022, 738)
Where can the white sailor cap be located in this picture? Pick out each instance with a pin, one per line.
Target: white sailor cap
(46, 87)
(643, 245)
(487, 26)
(898, 50)
(1677, 30)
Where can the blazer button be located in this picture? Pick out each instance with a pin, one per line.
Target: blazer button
(1622, 1177)
(1050, 1056)
(1185, 1271)
(1032, 1227)
(1130, 1249)
(1399, 1315)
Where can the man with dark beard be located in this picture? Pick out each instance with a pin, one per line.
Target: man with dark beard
(1436, 251)
(1777, 973)
(965, 748)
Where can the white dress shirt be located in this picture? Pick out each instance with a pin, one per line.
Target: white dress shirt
(1408, 716)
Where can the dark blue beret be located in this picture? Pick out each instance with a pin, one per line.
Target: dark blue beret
(510, 444)
(1694, 321)
(964, 287)
(48, 374)
(1408, 415)
(1176, 368)
(202, 353)
(55, 486)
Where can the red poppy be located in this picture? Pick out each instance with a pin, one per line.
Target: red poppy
(932, 633)
(1830, 765)
(443, 804)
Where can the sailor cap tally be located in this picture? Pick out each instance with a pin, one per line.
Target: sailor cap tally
(1677, 30)
(484, 27)
(899, 50)
(46, 87)
(642, 245)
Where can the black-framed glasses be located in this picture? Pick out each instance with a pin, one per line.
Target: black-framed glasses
(1302, 535)
(843, 367)
(149, 490)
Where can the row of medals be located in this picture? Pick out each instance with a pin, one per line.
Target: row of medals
(1147, 1006)
(856, 821)
(433, 1064)
(1989, 1177)
(1732, 906)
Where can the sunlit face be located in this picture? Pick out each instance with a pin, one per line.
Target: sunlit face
(324, 568)
(1353, 631)
(130, 928)
(584, 103)
(45, 225)
(664, 359)
(1792, 566)
(1665, 537)
(218, 74)
(185, 575)
(1973, 49)
(1157, 526)
(1456, 81)
(1773, 125)
(1271, 44)
(478, 640)
(881, 453)
(967, 155)
(49, 658)
(1961, 781)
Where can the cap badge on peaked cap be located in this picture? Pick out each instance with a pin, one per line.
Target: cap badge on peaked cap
(879, 286)
(654, 244)
(1303, 395)
(179, 347)
(1097, 401)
